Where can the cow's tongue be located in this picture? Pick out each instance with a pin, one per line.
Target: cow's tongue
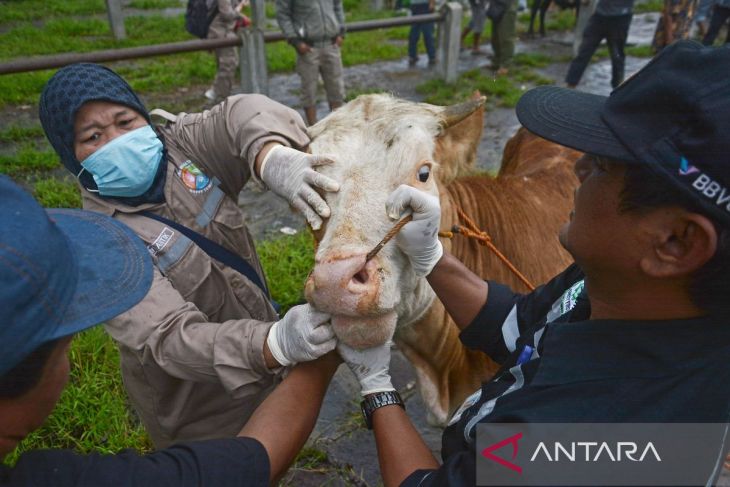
(364, 332)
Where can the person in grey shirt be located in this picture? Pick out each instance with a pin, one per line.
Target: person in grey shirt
(316, 29)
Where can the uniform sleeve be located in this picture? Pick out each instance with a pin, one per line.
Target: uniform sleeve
(226, 139)
(284, 19)
(226, 11)
(180, 339)
(507, 315)
(214, 463)
(459, 470)
(340, 14)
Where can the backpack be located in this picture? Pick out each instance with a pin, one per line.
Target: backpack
(199, 15)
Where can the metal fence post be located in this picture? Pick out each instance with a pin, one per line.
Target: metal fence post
(449, 32)
(116, 18)
(254, 74)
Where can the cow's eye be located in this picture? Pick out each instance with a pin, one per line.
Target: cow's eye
(423, 173)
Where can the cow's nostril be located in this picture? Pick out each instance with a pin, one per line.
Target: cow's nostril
(361, 277)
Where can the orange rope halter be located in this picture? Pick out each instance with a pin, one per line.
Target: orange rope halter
(470, 231)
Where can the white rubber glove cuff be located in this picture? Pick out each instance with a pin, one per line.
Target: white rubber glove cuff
(376, 383)
(426, 260)
(274, 347)
(266, 159)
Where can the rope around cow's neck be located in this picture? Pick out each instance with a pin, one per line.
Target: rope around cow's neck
(470, 231)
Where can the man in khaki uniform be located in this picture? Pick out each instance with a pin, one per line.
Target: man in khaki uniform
(204, 347)
(226, 58)
(316, 29)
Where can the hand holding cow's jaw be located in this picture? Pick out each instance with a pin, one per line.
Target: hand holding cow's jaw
(302, 335)
(290, 174)
(418, 239)
(371, 366)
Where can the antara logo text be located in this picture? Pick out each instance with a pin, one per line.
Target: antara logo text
(575, 451)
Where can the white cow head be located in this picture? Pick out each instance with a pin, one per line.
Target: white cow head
(380, 142)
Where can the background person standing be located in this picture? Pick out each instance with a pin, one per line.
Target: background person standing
(476, 24)
(421, 7)
(675, 23)
(504, 23)
(610, 21)
(720, 14)
(316, 29)
(226, 58)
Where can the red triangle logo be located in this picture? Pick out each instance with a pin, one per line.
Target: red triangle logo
(512, 440)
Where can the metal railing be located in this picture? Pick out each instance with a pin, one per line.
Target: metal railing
(109, 55)
(60, 60)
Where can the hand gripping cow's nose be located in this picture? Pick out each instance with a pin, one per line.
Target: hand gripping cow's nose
(418, 239)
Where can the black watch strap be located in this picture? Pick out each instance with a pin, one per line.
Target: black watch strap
(377, 401)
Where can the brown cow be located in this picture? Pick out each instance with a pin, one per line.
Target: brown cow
(381, 142)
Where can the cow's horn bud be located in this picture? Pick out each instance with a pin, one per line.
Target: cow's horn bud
(454, 114)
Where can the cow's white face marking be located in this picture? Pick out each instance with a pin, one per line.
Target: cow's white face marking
(378, 143)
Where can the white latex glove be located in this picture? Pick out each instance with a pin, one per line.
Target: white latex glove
(418, 239)
(370, 366)
(303, 334)
(290, 174)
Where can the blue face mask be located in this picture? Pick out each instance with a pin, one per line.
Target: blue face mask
(125, 166)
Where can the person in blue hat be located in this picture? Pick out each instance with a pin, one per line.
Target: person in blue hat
(206, 345)
(637, 330)
(63, 271)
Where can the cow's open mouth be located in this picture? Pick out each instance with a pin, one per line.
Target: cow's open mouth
(362, 332)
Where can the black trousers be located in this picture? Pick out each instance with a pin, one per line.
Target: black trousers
(719, 17)
(615, 29)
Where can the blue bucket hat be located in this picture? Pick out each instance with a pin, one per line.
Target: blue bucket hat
(62, 271)
(63, 95)
(672, 117)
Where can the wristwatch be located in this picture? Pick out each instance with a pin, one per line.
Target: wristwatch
(377, 401)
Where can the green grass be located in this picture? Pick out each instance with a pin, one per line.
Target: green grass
(16, 10)
(503, 91)
(92, 414)
(28, 160)
(155, 4)
(640, 51)
(18, 133)
(286, 262)
(27, 10)
(643, 6)
(55, 193)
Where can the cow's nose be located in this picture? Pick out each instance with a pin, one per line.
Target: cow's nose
(361, 279)
(350, 273)
(338, 285)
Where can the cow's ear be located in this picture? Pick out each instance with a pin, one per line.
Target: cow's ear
(461, 131)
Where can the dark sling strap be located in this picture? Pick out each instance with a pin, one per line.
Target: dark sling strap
(219, 253)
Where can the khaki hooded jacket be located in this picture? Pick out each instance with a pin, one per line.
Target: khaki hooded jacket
(192, 350)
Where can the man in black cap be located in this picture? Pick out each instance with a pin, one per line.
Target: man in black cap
(63, 271)
(636, 331)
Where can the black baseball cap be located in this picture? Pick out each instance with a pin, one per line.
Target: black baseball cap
(673, 116)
